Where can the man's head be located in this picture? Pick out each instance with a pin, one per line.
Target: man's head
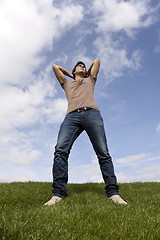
(79, 67)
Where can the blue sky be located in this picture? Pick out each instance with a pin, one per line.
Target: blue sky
(125, 35)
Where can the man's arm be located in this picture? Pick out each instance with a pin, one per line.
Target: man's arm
(94, 68)
(60, 72)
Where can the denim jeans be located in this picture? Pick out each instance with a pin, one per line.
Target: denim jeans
(73, 125)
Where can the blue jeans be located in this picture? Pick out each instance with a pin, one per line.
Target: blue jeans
(73, 125)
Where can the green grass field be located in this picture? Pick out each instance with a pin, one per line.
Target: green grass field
(86, 214)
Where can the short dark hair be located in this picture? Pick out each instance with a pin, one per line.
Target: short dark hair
(74, 69)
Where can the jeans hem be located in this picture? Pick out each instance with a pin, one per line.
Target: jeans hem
(112, 194)
(59, 195)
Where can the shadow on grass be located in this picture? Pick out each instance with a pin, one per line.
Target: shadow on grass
(93, 188)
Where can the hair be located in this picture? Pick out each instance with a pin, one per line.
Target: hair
(74, 69)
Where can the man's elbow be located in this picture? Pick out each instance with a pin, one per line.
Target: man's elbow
(54, 67)
(97, 60)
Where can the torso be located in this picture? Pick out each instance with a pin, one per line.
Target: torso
(80, 93)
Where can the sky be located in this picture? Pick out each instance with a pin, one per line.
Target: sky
(125, 36)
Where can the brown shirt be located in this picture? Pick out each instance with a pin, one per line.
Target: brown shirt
(80, 93)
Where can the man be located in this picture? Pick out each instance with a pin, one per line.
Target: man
(82, 114)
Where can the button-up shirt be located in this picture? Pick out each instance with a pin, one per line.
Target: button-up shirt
(80, 93)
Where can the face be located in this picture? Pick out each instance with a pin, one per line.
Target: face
(80, 68)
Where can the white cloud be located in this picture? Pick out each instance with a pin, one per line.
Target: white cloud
(81, 56)
(22, 157)
(156, 49)
(140, 167)
(82, 32)
(56, 110)
(132, 158)
(125, 178)
(27, 28)
(158, 128)
(150, 173)
(27, 94)
(86, 173)
(22, 107)
(122, 15)
(136, 170)
(8, 178)
(62, 58)
(70, 15)
(11, 135)
(117, 21)
(114, 57)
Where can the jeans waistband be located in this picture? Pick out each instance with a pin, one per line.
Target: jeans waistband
(82, 109)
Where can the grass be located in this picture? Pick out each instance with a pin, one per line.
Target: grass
(86, 214)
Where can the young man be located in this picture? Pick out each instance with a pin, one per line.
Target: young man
(82, 114)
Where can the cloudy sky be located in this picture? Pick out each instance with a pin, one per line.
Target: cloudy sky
(125, 35)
